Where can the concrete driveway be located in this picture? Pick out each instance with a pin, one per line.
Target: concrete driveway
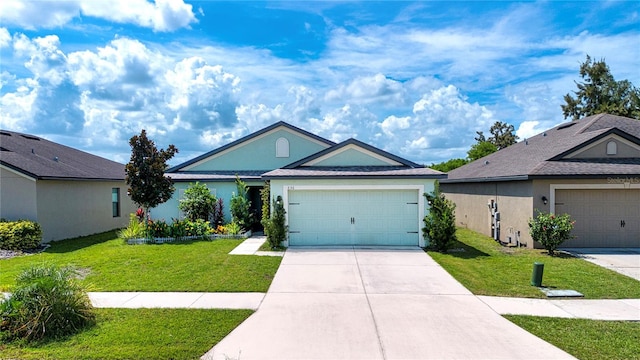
(374, 304)
(626, 261)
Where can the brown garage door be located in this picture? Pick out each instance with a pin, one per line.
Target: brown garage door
(604, 218)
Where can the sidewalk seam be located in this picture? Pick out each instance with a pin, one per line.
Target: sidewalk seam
(373, 315)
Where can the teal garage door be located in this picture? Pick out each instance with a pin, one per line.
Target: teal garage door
(353, 217)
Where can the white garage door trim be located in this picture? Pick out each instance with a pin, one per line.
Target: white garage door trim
(615, 183)
(419, 188)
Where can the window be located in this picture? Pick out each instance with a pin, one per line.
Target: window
(282, 148)
(612, 148)
(115, 202)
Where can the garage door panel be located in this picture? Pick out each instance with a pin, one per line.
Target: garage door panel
(353, 217)
(599, 213)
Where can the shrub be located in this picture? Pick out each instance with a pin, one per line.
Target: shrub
(551, 230)
(240, 206)
(158, 228)
(233, 228)
(47, 302)
(265, 195)
(440, 223)
(20, 235)
(198, 202)
(134, 230)
(275, 227)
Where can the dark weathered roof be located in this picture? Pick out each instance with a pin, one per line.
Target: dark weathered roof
(341, 172)
(43, 159)
(540, 156)
(246, 138)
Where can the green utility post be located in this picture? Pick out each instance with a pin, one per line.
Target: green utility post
(536, 276)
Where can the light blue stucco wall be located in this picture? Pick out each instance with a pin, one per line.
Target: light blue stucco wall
(260, 153)
(169, 210)
(351, 157)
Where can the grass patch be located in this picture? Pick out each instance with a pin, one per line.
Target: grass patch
(138, 334)
(586, 339)
(108, 264)
(486, 268)
(267, 247)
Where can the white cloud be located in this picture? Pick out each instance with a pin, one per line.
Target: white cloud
(161, 15)
(5, 38)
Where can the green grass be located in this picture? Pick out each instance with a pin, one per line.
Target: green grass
(486, 268)
(138, 334)
(586, 339)
(111, 265)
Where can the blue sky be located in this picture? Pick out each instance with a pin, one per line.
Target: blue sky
(417, 79)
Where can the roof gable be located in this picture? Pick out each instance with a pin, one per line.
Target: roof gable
(39, 158)
(625, 146)
(257, 151)
(351, 153)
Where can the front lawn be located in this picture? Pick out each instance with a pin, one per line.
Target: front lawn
(138, 334)
(108, 264)
(486, 268)
(586, 339)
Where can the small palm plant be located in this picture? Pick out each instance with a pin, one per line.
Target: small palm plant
(47, 302)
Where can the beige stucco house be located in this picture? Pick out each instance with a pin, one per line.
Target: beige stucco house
(69, 192)
(589, 169)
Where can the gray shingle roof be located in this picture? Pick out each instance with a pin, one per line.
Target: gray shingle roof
(539, 156)
(43, 159)
(355, 172)
(216, 175)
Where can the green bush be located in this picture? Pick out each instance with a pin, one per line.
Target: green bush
(198, 202)
(275, 227)
(551, 230)
(134, 230)
(440, 223)
(20, 235)
(158, 228)
(233, 228)
(46, 303)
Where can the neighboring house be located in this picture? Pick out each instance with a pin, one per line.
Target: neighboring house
(349, 193)
(68, 192)
(589, 169)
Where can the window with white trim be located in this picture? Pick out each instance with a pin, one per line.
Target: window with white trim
(282, 148)
(115, 202)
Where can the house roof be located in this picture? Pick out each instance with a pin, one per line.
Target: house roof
(398, 167)
(43, 159)
(543, 155)
(247, 138)
(216, 175)
(351, 172)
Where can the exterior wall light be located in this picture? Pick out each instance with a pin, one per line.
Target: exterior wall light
(544, 200)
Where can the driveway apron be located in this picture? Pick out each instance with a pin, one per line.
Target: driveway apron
(374, 304)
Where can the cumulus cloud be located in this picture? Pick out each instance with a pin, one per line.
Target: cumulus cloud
(443, 121)
(161, 15)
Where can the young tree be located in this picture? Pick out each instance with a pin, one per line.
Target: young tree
(240, 205)
(148, 186)
(599, 93)
(198, 202)
(551, 230)
(275, 227)
(440, 223)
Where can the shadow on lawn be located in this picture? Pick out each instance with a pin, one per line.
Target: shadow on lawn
(69, 245)
(463, 251)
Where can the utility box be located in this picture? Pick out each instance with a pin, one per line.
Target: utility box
(536, 276)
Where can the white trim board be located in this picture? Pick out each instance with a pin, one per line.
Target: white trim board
(17, 173)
